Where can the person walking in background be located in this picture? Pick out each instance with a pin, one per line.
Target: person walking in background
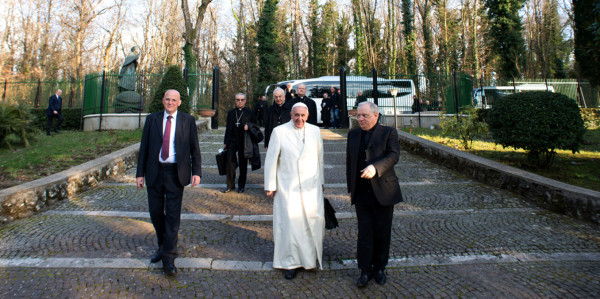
(237, 123)
(169, 156)
(54, 111)
(294, 177)
(371, 153)
(277, 114)
(326, 111)
(260, 110)
(335, 107)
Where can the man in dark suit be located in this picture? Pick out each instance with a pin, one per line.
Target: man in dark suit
(371, 153)
(237, 123)
(310, 103)
(277, 114)
(54, 111)
(334, 98)
(169, 155)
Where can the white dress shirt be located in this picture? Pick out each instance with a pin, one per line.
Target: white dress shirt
(171, 158)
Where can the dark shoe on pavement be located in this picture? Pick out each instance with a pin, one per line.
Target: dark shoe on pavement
(380, 277)
(290, 274)
(156, 257)
(240, 190)
(227, 190)
(169, 266)
(363, 279)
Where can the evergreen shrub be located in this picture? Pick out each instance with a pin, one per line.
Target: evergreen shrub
(16, 125)
(173, 79)
(539, 122)
(466, 127)
(72, 118)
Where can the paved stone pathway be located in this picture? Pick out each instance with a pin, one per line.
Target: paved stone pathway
(452, 237)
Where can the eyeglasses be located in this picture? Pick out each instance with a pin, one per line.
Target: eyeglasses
(240, 100)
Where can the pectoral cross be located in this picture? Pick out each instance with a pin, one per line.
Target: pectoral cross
(237, 124)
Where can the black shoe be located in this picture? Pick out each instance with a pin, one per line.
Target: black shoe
(156, 257)
(169, 267)
(240, 190)
(56, 131)
(227, 190)
(363, 279)
(48, 134)
(380, 277)
(290, 274)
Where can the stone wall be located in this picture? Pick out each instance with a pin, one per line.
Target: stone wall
(553, 195)
(29, 198)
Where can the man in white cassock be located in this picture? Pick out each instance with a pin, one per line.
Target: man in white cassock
(294, 177)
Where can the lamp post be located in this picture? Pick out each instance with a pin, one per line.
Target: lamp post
(394, 92)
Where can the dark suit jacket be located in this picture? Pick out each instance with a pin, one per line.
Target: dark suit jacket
(248, 116)
(188, 156)
(275, 116)
(54, 104)
(383, 152)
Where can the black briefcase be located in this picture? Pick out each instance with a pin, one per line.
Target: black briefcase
(330, 220)
(221, 161)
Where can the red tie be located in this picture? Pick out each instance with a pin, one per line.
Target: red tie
(166, 138)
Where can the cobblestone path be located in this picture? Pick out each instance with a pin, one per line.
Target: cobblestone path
(452, 237)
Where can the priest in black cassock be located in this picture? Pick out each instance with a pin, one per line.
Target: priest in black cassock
(237, 119)
(310, 103)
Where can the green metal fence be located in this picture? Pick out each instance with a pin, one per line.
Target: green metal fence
(35, 93)
(104, 92)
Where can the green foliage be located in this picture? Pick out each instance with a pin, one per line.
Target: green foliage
(505, 35)
(173, 79)
(586, 19)
(591, 118)
(15, 122)
(410, 37)
(466, 127)
(270, 62)
(72, 119)
(318, 42)
(539, 122)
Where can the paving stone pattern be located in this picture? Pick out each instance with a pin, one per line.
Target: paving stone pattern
(452, 237)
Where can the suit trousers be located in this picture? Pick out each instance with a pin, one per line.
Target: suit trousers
(59, 122)
(242, 162)
(164, 202)
(374, 231)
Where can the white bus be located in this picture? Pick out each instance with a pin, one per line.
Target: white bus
(315, 88)
(484, 97)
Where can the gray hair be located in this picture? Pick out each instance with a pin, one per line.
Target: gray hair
(240, 94)
(372, 106)
(279, 89)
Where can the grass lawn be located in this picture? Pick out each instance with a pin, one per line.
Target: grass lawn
(52, 154)
(580, 169)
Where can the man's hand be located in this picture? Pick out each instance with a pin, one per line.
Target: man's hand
(246, 127)
(55, 112)
(195, 180)
(270, 193)
(368, 172)
(140, 182)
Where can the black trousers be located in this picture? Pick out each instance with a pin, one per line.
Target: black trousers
(233, 150)
(374, 231)
(164, 202)
(59, 122)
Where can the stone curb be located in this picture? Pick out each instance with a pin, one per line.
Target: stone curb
(232, 265)
(553, 195)
(29, 198)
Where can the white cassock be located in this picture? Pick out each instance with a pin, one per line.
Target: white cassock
(294, 169)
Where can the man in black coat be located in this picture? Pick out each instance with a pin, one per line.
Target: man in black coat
(237, 120)
(54, 111)
(326, 111)
(169, 156)
(260, 110)
(335, 107)
(310, 103)
(277, 114)
(371, 153)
